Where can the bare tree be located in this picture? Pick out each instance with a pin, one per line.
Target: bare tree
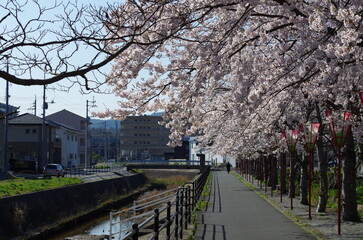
(45, 44)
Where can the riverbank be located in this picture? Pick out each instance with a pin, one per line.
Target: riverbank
(34, 215)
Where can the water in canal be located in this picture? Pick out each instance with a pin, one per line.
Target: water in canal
(99, 227)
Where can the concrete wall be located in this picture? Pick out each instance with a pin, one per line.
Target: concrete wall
(31, 212)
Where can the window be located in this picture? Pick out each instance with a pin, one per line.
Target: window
(27, 131)
(82, 142)
(71, 156)
(34, 131)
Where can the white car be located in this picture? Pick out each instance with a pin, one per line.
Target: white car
(54, 170)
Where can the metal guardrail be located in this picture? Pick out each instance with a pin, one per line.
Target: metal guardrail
(171, 212)
(94, 170)
(166, 162)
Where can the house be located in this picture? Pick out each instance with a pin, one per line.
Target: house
(67, 138)
(25, 141)
(77, 123)
(143, 138)
(3, 110)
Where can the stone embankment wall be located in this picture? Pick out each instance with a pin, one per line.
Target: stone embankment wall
(40, 210)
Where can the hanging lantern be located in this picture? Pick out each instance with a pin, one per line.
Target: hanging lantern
(310, 135)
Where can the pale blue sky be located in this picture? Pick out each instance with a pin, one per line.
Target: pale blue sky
(73, 101)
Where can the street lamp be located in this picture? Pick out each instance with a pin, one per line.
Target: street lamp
(310, 135)
(339, 132)
(291, 137)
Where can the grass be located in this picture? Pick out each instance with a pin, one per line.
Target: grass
(169, 182)
(333, 196)
(18, 186)
(200, 205)
(101, 166)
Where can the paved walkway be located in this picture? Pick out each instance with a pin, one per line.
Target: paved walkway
(236, 212)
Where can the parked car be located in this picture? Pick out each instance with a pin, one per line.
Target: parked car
(54, 170)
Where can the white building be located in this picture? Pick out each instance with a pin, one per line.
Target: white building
(67, 137)
(210, 158)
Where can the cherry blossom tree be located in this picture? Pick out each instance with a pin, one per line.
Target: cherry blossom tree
(229, 71)
(234, 71)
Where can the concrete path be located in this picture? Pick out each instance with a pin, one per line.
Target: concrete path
(236, 212)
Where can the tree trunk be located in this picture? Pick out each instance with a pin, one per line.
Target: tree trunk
(350, 212)
(304, 181)
(323, 167)
(272, 171)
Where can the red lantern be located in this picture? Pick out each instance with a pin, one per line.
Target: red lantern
(291, 138)
(361, 97)
(311, 131)
(339, 133)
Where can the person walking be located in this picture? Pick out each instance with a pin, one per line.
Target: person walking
(228, 167)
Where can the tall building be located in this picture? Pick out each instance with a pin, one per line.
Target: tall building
(142, 138)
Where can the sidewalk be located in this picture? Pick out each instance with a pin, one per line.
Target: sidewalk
(236, 212)
(324, 225)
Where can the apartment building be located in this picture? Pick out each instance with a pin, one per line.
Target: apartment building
(143, 138)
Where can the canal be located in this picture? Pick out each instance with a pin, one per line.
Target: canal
(99, 226)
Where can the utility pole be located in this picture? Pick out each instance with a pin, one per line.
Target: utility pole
(6, 123)
(86, 135)
(117, 142)
(106, 142)
(43, 145)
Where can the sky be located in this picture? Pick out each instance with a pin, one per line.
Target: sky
(73, 101)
